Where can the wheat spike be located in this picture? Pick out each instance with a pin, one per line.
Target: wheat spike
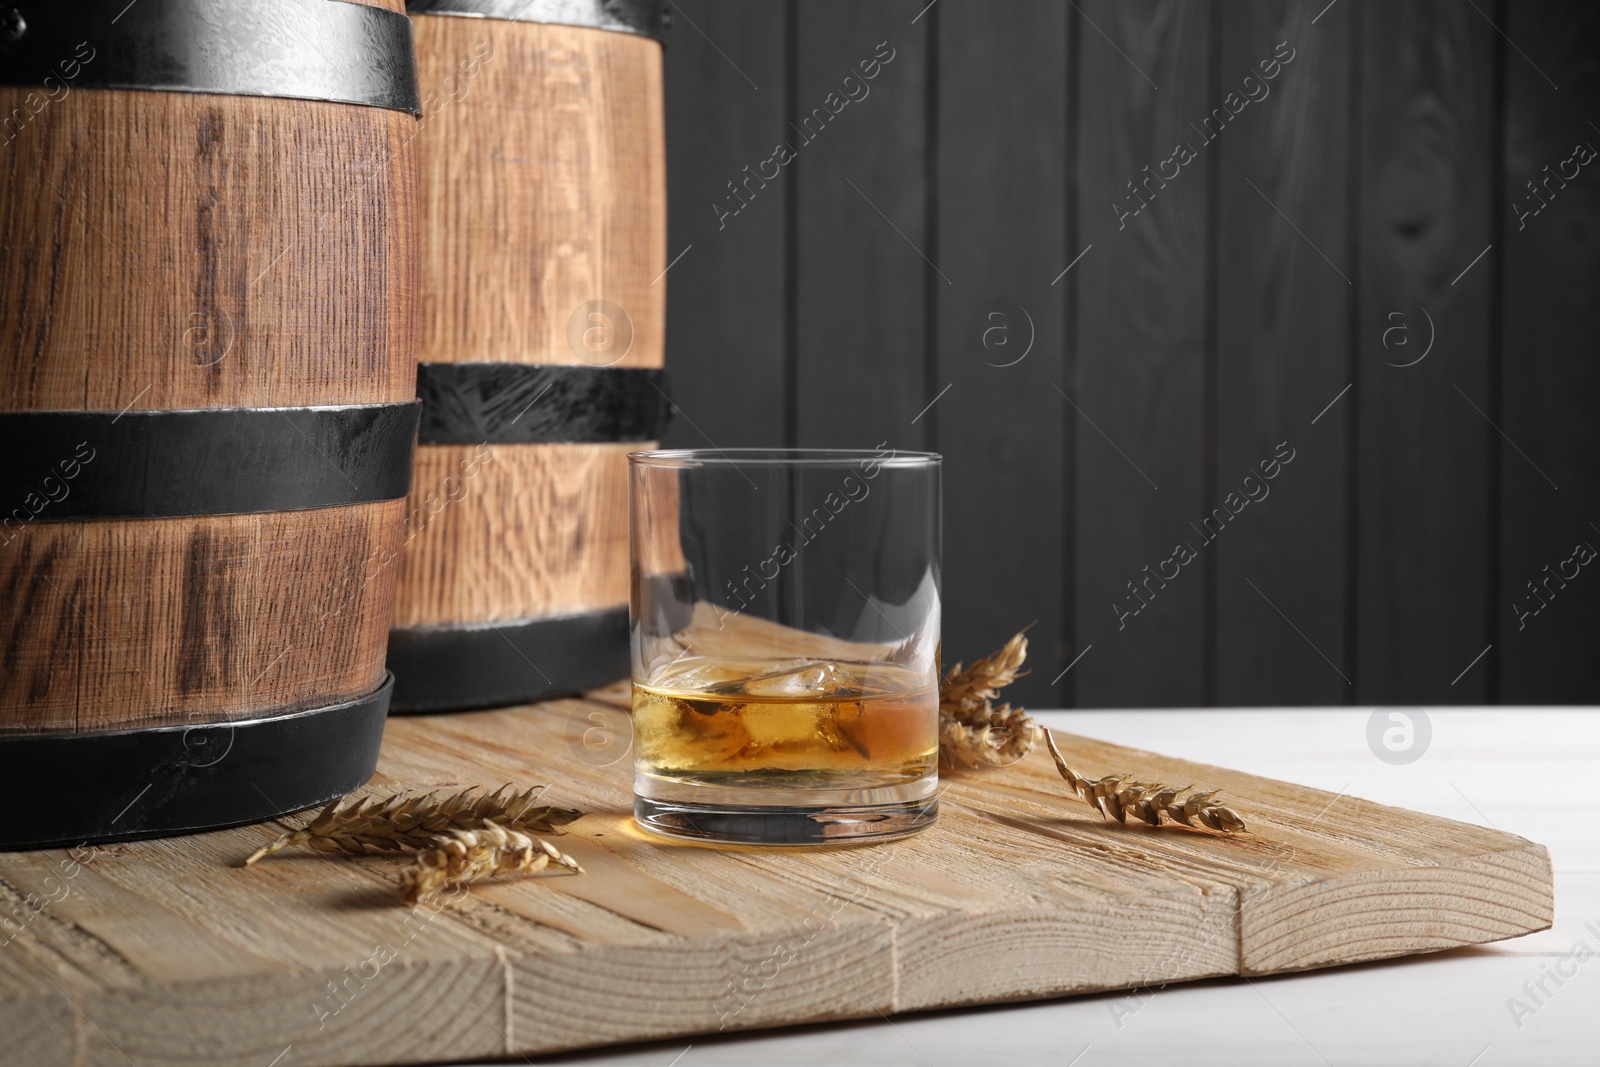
(461, 857)
(964, 691)
(1001, 738)
(972, 731)
(975, 733)
(1117, 797)
(412, 821)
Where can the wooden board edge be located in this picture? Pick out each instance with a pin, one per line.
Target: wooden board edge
(434, 1011)
(739, 982)
(1197, 938)
(1354, 924)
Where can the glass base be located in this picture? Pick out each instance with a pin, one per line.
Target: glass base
(769, 825)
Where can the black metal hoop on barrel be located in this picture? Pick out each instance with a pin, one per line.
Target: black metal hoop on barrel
(219, 461)
(458, 668)
(539, 403)
(120, 785)
(362, 54)
(648, 18)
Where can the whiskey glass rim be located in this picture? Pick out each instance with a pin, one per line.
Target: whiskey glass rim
(781, 457)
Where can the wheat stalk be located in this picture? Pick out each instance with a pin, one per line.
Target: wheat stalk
(414, 821)
(972, 731)
(1117, 797)
(964, 691)
(464, 856)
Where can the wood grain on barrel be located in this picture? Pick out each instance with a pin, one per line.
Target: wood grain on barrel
(543, 189)
(114, 625)
(179, 956)
(177, 250)
(535, 530)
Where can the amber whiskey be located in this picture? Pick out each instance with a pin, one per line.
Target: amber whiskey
(796, 726)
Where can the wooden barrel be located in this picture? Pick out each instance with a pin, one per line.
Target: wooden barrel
(208, 260)
(543, 314)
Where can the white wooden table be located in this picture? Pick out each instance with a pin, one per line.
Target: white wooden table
(1530, 771)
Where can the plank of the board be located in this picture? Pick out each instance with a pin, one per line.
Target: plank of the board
(1002, 170)
(1427, 166)
(1283, 351)
(1551, 380)
(860, 223)
(168, 951)
(725, 333)
(1137, 400)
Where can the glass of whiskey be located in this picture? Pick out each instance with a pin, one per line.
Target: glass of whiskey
(785, 643)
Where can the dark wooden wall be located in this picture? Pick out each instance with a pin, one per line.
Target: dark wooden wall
(1268, 298)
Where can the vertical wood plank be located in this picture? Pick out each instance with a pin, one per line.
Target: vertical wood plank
(725, 316)
(861, 227)
(1136, 404)
(1283, 339)
(1282, 355)
(1427, 164)
(1002, 172)
(1551, 382)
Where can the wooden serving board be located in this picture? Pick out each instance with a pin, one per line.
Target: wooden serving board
(169, 952)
